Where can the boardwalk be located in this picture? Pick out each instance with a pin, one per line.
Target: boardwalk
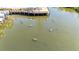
(31, 11)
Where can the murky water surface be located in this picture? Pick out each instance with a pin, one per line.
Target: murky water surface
(58, 31)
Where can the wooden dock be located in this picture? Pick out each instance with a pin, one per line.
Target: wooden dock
(38, 11)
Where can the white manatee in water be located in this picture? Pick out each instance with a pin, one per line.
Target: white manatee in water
(50, 30)
(30, 19)
(34, 39)
(30, 25)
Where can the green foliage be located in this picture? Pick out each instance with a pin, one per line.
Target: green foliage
(74, 8)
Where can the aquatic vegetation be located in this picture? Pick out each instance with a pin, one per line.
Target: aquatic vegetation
(2, 34)
(8, 23)
(70, 9)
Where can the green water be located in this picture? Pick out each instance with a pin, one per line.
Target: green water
(18, 32)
